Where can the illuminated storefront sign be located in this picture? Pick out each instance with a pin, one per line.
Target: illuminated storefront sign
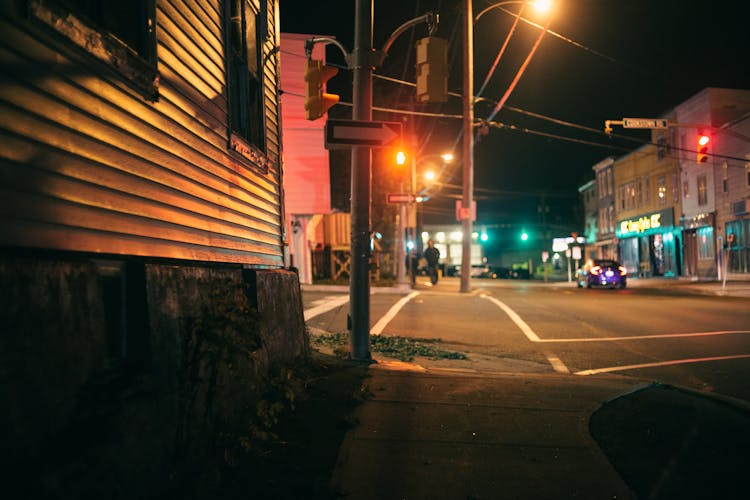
(648, 223)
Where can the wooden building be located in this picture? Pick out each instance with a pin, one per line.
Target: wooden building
(140, 206)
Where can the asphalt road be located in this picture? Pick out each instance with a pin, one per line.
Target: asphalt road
(689, 340)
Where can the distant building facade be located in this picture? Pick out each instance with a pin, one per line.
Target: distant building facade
(606, 242)
(675, 207)
(715, 190)
(590, 199)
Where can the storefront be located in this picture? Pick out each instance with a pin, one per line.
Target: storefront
(698, 244)
(650, 244)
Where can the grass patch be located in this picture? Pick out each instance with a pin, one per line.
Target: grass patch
(401, 348)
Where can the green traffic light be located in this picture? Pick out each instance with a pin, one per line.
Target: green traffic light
(524, 236)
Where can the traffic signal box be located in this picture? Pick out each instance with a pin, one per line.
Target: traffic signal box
(318, 102)
(701, 155)
(432, 70)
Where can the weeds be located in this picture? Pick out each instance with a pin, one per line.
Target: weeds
(401, 348)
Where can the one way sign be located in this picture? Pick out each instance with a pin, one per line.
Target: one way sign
(342, 134)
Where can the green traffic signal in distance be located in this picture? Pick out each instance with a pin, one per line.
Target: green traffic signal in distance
(524, 236)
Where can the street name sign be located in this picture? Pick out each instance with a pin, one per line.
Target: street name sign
(400, 198)
(342, 134)
(645, 123)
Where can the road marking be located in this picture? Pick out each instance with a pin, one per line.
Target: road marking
(382, 322)
(662, 363)
(526, 329)
(557, 363)
(327, 306)
(646, 337)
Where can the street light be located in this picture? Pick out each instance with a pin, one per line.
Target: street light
(468, 131)
(430, 176)
(541, 6)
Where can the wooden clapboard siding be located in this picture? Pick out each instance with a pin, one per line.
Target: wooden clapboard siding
(271, 89)
(88, 164)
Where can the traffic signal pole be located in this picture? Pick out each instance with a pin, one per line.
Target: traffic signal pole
(361, 185)
(362, 61)
(468, 147)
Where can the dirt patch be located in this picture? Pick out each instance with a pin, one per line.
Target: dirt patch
(299, 452)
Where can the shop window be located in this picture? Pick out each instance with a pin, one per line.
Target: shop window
(245, 28)
(705, 242)
(121, 35)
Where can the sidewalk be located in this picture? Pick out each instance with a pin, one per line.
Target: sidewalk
(434, 432)
(442, 434)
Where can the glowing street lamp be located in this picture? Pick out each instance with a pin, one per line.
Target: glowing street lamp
(468, 130)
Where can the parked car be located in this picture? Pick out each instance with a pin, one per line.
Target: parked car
(602, 273)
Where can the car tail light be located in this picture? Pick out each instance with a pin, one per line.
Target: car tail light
(623, 270)
(596, 270)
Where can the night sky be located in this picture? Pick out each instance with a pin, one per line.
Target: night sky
(622, 58)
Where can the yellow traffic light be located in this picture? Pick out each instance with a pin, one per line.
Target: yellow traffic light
(432, 70)
(317, 102)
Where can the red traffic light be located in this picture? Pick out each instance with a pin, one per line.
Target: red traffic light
(702, 151)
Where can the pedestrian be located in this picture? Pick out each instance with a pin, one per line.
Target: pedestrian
(432, 256)
(412, 263)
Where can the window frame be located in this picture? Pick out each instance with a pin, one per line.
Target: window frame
(702, 188)
(138, 69)
(248, 138)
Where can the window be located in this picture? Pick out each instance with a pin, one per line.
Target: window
(246, 33)
(119, 34)
(639, 192)
(685, 189)
(702, 190)
(647, 191)
(683, 146)
(675, 188)
(724, 178)
(123, 287)
(661, 189)
(705, 242)
(661, 148)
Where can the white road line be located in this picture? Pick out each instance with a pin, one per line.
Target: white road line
(378, 328)
(662, 363)
(526, 329)
(557, 363)
(327, 306)
(646, 337)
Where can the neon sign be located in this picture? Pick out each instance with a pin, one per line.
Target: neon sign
(641, 224)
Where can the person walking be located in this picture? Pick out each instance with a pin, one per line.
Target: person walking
(432, 256)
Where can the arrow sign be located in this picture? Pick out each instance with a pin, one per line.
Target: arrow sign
(644, 123)
(400, 198)
(341, 134)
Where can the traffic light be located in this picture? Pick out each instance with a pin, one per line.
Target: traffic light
(432, 70)
(318, 102)
(701, 155)
(524, 236)
(400, 158)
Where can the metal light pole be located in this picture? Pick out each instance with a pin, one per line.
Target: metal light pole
(468, 147)
(359, 282)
